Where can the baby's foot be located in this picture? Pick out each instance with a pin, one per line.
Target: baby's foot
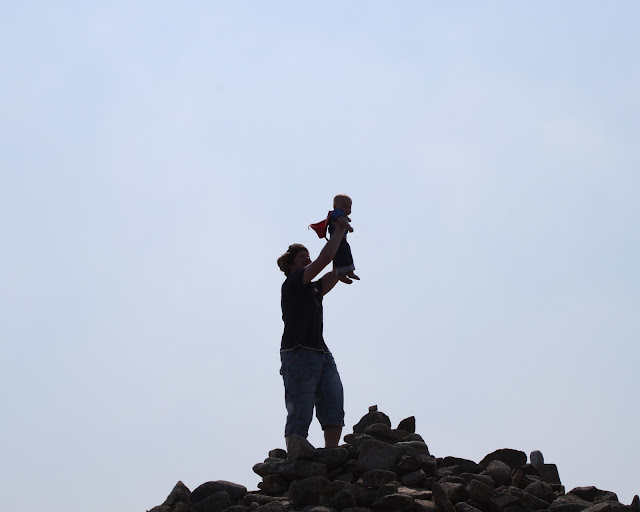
(344, 279)
(352, 275)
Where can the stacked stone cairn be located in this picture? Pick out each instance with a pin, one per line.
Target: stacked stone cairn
(382, 469)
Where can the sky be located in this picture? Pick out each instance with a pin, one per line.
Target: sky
(157, 157)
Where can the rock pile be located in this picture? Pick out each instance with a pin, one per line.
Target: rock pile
(382, 469)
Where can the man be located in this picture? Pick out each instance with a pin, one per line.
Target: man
(309, 372)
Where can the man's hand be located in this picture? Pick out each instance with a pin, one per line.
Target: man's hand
(345, 279)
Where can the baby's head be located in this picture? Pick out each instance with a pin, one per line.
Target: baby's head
(343, 202)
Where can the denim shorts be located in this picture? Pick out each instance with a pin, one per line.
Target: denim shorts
(311, 380)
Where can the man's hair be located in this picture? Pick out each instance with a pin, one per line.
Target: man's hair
(341, 198)
(285, 261)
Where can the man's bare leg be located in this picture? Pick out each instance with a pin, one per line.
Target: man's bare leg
(332, 436)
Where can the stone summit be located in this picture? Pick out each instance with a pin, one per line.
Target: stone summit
(382, 469)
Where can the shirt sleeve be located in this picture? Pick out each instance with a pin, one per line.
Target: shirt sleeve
(335, 214)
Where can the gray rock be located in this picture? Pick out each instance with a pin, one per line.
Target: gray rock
(415, 479)
(485, 479)
(357, 509)
(179, 494)
(408, 424)
(461, 465)
(236, 491)
(252, 498)
(593, 494)
(331, 457)
(268, 468)
(528, 500)
(441, 499)
(307, 491)
(238, 508)
(536, 458)
(378, 477)
(374, 454)
(381, 432)
(273, 506)
(607, 506)
(480, 492)
(512, 458)
(414, 437)
(549, 474)
(273, 484)
(414, 448)
(408, 464)
(499, 471)
(395, 501)
(278, 453)
(429, 465)
(635, 504)
(541, 490)
(371, 418)
(298, 469)
(416, 494)
(456, 492)
(344, 499)
(569, 503)
(502, 501)
(216, 502)
(299, 447)
(319, 509)
(426, 506)
(465, 507)
(386, 489)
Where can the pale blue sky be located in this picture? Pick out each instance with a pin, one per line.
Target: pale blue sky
(156, 158)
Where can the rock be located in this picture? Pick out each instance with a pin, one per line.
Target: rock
(415, 479)
(299, 448)
(441, 499)
(331, 457)
(568, 503)
(381, 432)
(414, 448)
(536, 458)
(528, 500)
(216, 502)
(549, 474)
(541, 490)
(238, 508)
(306, 491)
(456, 492)
(268, 468)
(593, 494)
(179, 494)
(512, 458)
(343, 499)
(273, 484)
(377, 478)
(201, 492)
(480, 492)
(426, 506)
(408, 424)
(394, 502)
(635, 504)
(416, 494)
(355, 509)
(278, 453)
(499, 471)
(607, 506)
(273, 506)
(298, 469)
(374, 454)
(502, 501)
(485, 479)
(461, 465)
(465, 507)
(429, 465)
(319, 509)
(408, 464)
(371, 418)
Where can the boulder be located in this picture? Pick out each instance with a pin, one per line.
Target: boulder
(512, 458)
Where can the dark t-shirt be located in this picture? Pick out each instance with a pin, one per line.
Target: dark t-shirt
(302, 313)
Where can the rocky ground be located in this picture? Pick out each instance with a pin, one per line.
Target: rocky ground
(380, 468)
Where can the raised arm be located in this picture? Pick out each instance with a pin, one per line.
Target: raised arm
(324, 258)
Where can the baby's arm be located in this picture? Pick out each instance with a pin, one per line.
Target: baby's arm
(343, 223)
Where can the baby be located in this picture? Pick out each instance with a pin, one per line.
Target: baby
(343, 261)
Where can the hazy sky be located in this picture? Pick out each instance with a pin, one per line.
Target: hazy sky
(157, 157)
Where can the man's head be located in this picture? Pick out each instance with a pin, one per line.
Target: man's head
(343, 202)
(297, 256)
